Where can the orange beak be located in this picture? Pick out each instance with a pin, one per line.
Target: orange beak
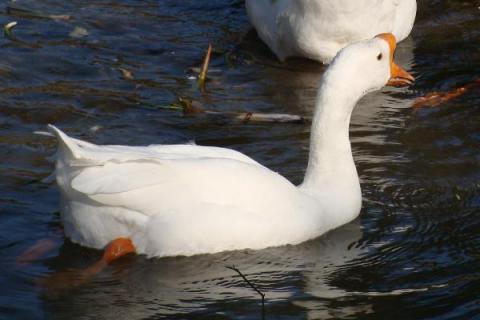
(398, 76)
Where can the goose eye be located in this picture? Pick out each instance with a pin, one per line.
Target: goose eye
(379, 57)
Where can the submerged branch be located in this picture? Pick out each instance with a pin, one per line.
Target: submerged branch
(193, 107)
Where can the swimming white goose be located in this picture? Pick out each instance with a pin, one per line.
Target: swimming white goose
(318, 29)
(168, 200)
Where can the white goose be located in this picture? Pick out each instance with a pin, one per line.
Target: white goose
(168, 200)
(318, 29)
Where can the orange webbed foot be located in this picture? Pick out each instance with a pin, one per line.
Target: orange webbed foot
(70, 279)
(117, 249)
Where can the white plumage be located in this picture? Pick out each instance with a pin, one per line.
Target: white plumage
(188, 199)
(318, 29)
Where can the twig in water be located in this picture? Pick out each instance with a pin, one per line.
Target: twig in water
(192, 108)
(251, 286)
(24, 13)
(202, 77)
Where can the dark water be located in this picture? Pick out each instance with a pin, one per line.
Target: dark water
(414, 252)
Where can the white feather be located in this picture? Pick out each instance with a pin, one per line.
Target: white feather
(318, 29)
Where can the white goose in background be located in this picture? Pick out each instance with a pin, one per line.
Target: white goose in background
(318, 29)
(169, 200)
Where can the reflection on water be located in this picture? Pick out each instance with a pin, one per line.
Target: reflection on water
(414, 248)
(199, 283)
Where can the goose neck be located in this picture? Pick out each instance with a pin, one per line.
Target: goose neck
(330, 156)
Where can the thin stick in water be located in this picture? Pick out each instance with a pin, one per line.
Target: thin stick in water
(251, 286)
(202, 77)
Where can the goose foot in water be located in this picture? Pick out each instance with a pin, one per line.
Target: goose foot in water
(117, 249)
(73, 278)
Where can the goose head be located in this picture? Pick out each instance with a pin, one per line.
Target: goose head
(366, 66)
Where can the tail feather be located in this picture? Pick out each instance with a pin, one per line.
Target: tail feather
(66, 144)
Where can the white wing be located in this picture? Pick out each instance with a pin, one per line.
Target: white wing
(165, 179)
(184, 186)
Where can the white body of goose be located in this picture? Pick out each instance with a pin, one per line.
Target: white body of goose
(318, 29)
(187, 199)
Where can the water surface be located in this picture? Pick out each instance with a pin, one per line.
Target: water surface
(412, 254)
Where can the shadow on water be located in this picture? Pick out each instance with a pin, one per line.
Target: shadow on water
(412, 254)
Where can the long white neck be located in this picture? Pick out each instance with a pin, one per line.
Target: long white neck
(331, 175)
